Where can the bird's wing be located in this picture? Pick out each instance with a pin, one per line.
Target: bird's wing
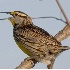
(38, 35)
(35, 37)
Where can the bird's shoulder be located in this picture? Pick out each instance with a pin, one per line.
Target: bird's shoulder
(34, 32)
(36, 29)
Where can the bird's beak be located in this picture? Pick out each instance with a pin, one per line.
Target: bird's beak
(6, 12)
(11, 13)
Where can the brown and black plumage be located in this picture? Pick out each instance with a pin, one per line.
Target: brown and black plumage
(42, 46)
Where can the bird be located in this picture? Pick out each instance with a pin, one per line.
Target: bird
(33, 40)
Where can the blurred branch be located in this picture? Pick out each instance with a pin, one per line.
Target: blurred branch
(27, 63)
(61, 35)
(63, 12)
(65, 32)
(49, 17)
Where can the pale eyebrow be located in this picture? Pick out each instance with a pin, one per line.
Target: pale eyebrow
(20, 14)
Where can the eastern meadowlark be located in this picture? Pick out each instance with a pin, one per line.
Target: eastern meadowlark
(33, 40)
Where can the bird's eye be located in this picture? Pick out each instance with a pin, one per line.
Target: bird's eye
(15, 14)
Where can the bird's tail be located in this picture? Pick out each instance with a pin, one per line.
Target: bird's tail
(64, 48)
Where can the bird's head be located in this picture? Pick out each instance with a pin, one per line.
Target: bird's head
(19, 17)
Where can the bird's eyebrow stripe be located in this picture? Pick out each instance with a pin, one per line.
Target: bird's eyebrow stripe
(20, 14)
